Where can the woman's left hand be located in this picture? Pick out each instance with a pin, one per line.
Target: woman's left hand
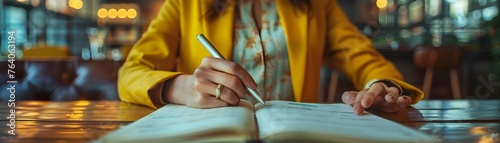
(377, 97)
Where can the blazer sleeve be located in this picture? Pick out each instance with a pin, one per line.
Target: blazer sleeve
(352, 53)
(151, 57)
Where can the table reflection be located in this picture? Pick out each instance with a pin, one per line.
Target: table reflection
(78, 111)
(76, 121)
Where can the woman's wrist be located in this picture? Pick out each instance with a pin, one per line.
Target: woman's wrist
(155, 95)
(176, 88)
(169, 91)
(163, 97)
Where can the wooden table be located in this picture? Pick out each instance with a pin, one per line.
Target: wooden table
(452, 121)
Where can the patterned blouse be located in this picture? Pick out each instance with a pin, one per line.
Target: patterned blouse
(263, 54)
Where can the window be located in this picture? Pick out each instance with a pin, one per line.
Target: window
(57, 31)
(459, 8)
(416, 11)
(433, 7)
(15, 20)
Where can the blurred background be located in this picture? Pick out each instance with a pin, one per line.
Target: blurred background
(72, 49)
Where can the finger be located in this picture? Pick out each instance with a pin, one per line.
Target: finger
(349, 97)
(377, 89)
(205, 86)
(227, 95)
(388, 106)
(393, 94)
(228, 81)
(209, 88)
(390, 98)
(358, 108)
(209, 101)
(403, 102)
(230, 68)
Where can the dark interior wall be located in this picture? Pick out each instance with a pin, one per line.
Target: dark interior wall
(359, 12)
(349, 8)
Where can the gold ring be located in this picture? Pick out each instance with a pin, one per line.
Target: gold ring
(218, 91)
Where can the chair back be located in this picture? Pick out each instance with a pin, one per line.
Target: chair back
(438, 58)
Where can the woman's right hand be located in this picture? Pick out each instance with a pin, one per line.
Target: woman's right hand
(198, 90)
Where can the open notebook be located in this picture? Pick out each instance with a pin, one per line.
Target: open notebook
(279, 121)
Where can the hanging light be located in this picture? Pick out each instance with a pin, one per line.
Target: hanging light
(76, 4)
(381, 4)
(122, 13)
(131, 13)
(102, 13)
(112, 13)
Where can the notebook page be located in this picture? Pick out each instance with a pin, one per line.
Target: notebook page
(178, 122)
(335, 120)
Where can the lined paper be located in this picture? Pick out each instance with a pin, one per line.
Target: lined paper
(336, 120)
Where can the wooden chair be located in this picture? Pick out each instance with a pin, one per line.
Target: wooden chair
(328, 85)
(438, 58)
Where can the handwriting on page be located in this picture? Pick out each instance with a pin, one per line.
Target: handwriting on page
(324, 115)
(177, 120)
(281, 116)
(174, 115)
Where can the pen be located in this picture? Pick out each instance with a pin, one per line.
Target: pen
(211, 49)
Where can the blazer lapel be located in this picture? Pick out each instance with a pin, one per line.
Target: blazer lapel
(295, 25)
(220, 31)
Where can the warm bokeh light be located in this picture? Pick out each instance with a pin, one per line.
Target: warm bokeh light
(487, 139)
(82, 103)
(71, 3)
(21, 0)
(478, 131)
(122, 13)
(76, 4)
(381, 3)
(102, 13)
(112, 13)
(74, 115)
(131, 13)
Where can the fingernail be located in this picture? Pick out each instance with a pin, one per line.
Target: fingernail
(254, 85)
(358, 111)
(352, 99)
(390, 96)
(404, 98)
(368, 103)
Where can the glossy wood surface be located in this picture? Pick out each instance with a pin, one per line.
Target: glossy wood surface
(453, 121)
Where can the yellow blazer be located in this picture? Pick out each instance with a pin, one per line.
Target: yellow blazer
(321, 35)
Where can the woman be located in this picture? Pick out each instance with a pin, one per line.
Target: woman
(282, 44)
